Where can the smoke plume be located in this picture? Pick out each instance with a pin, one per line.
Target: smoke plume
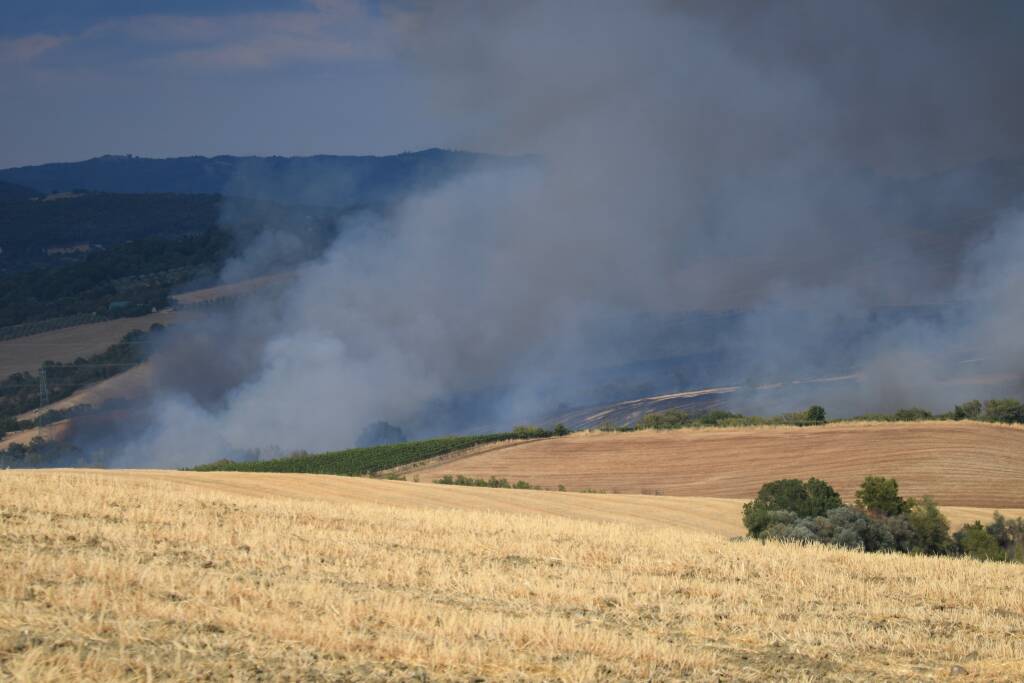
(762, 158)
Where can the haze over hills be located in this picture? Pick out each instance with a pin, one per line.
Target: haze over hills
(317, 180)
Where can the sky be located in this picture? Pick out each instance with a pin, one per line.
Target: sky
(82, 78)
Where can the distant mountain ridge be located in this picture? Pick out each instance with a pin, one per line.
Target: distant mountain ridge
(314, 180)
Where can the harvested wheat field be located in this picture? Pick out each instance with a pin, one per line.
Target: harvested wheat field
(135, 578)
(959, 463)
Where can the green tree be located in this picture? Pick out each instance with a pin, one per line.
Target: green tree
(666, 419)
(880, 496)
(560, 430)
(930, 528)
(971, 410)
(820, 497)
(911, 414)
(804, 499)
(815, 414)
(1004, 410)
(975, 540)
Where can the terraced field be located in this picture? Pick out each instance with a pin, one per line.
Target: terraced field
(959, 463)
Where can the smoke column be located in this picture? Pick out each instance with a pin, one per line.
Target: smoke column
(688, 157)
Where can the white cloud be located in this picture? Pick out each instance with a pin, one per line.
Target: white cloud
(27, 48)
(329, 31)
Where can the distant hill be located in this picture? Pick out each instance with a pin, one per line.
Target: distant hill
(315, 180)
(103, 218)
(13, 192)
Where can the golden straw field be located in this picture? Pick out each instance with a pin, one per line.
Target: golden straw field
(131, 577)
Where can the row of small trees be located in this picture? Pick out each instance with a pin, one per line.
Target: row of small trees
(880, 520)
(1006, 410)
(677, 419)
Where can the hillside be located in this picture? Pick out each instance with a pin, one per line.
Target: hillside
(959, 463)
(719, 516)
(104, 219)
(13, 192)
(113, 578)
(318, 180)
(27, 353)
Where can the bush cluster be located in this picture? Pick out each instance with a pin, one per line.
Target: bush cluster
(493, 482)
(880, 521)
(532, 432)
(1006, 410)
(677, 419)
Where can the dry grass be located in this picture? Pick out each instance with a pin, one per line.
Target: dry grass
(959, 463)
(110, 578)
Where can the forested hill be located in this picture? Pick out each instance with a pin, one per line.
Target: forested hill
(12, 192)
(100, 218)
(316, 180)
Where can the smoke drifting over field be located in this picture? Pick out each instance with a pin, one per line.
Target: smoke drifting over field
(689, 157)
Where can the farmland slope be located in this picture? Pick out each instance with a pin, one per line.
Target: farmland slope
(111, 578)
(959, 463)
(719, 516)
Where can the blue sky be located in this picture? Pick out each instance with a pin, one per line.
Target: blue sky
(81, 78)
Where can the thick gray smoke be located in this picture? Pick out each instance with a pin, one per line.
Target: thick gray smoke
(690, 157)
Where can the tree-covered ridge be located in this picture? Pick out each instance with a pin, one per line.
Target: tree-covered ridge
(130, 278)
(32, 226)
(322, 179)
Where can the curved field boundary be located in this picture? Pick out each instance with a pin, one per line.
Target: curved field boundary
(958, 463)
(719, 516)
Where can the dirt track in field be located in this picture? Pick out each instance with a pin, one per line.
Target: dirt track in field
(958, 463)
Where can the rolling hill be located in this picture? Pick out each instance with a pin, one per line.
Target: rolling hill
(318, 180)
(958, 463)
(136, 576)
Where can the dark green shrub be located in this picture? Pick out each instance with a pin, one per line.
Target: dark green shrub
(1009, 533)
(530, 432)
(911, 415)
(850, 527)
(802, 499)
(880, 496)
(666, 419)
(560, 430)
(975, 540)
(971, 410)
(821, 497)
(1004, 410)
(930, 527)
(815, 415)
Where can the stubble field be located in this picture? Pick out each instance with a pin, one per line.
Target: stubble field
(970, 464)
(134, 577)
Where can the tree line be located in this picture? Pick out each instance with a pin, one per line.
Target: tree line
(879, 520)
